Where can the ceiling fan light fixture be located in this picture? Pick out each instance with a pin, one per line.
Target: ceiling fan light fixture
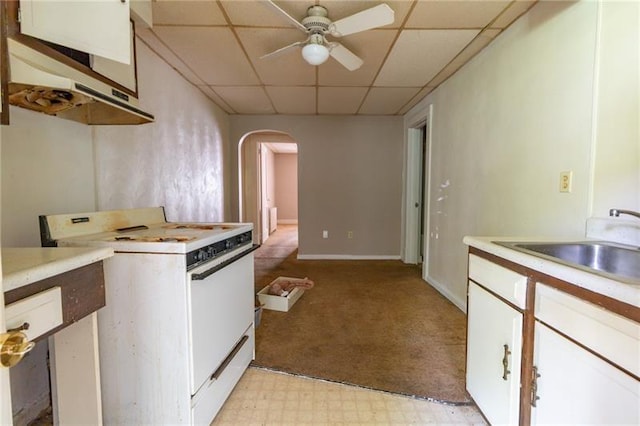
(315, 54)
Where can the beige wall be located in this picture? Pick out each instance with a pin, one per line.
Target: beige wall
(286, 175)
(178, 162)
(617, 133)
(350, 179)
(521, 112)
(47, 168)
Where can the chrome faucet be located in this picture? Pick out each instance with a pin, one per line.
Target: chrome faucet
(618, 212)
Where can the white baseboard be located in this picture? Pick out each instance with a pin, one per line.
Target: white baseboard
(287, 221)
(446, 292)
(346, 257)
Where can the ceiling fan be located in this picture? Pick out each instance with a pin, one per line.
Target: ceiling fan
(316, 49)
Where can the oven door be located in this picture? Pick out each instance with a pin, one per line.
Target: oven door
(222, 308)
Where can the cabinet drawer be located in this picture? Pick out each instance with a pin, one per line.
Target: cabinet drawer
(613, 336)
(502, 281)
(43, 312)
(206, 404)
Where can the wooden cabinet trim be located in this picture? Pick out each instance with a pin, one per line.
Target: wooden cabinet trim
(83, 292)
(621, 308)
(4, 64)
(526, 379)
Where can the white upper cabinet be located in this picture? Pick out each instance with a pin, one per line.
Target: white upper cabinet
(124, 74)
(99, 27)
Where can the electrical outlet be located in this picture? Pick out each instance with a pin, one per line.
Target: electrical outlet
(565, 181)
(325, 234)
(349, 234)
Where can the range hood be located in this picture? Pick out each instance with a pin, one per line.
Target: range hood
(41, 83)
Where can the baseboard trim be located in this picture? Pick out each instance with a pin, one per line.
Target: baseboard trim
(287, 221)
(444, 290)
(345, 257)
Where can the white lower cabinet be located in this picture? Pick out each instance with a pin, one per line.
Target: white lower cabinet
(494, 344)
(575, 386)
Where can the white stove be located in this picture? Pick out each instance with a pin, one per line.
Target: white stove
(177, 330)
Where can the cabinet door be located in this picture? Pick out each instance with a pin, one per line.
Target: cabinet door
(494, 343)
(577, 387)
(124, 74)
(100, 27)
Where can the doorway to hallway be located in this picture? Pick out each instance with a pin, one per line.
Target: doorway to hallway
(268, 182)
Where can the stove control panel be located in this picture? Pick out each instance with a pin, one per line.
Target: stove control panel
(211, 251)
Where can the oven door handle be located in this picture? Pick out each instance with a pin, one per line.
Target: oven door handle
(228, 359)
(202, 275)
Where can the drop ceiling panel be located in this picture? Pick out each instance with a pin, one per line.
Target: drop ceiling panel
(287, 68)
(148, 37)
(339, 9)
(478, 43)
(293, 100)
(455, 14)
(212, 52)
(208, 91)
(217, 45)
(199, 12)
(246, 100)
(387, 101)
(340, 100)
(261, 14)
(513, 12)
(371, 46)
(417, 98)
(419, 55)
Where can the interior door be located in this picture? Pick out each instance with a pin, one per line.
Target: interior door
(264, 201)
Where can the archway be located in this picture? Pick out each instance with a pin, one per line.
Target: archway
(267, 181)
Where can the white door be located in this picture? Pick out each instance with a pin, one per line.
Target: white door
(264, 194)
(494, 343)
(576, 387)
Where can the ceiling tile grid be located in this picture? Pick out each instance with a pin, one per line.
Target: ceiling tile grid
(218, 45)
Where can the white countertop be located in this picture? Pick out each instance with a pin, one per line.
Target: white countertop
(22, 266)
(624, 292)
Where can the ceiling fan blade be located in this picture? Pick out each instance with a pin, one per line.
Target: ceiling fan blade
(282, 50)
(346, 57)
(290, 18)
(377, 16)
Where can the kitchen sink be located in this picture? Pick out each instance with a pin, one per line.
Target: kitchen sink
(614, 261)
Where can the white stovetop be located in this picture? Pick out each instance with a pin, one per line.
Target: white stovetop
(22, 266)
(624, 292)
(189, 237)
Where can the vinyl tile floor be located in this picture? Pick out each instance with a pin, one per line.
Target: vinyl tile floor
(265, 397)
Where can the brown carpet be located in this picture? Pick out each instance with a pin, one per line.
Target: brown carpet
(375, 324)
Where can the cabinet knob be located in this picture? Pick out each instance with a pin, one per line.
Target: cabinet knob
(13, 346)
(505, 363)
(534, 386)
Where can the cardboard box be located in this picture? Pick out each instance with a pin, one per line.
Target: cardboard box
(279, 303)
